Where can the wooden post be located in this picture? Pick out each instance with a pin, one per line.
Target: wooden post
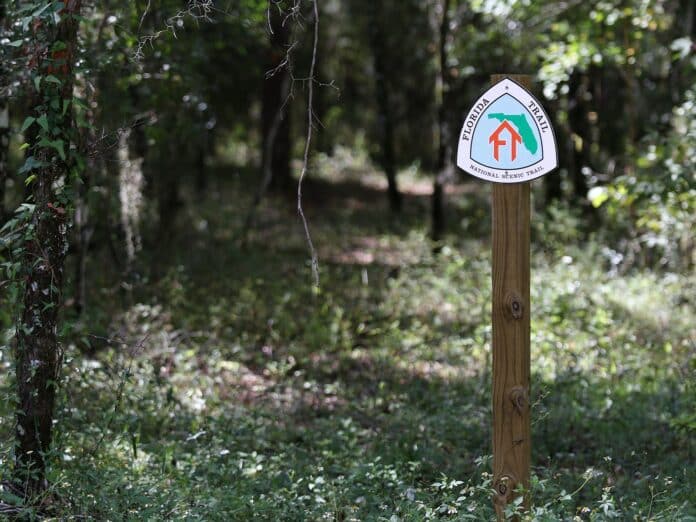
(511, 335)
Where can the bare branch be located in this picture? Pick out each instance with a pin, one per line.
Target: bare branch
(197, 10)
(308, 142)
(294, 13)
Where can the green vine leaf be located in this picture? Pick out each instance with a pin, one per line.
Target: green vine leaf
(28, 122)
(40, 10)
(53, 79)
(43, 122)
(30, 164)
(58, 145)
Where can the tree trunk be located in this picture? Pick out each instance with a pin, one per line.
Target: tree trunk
(385, 115)
(83, 235)
(275, 146)
(577, 119)
(38, 354)
(443, 149)
(553, 188)
(83, 223)
(4, 124)
(168, 199)
(204, 148)
(4, 152)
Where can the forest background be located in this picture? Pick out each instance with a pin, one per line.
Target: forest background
(178, 342)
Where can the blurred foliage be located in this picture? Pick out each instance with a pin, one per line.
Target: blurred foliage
(207, 380)
(234, 392)
(617, 78)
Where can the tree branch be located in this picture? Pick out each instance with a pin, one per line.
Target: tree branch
(308, 142)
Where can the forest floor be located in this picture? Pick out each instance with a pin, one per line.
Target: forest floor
(231, 389)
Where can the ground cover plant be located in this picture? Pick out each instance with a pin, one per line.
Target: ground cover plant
(233, 390)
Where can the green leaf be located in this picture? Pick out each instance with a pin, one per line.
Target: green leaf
(43, 122)
(29, 179)
(40, 10)
(37, 83)
(53, 79)
(30, 164)
(58, 46)
(11, 498)
(27, 123)
(15, 43)
(58, 145)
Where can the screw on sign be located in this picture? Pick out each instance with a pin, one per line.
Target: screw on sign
(507, 138)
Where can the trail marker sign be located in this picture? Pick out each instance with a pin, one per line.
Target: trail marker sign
(507, 136)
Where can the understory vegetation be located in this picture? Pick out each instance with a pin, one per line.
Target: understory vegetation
(243, 278)
(231, 389)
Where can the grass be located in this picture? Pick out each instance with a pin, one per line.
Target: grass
(233, 390)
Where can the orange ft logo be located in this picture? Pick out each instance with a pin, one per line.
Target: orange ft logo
(498, 142)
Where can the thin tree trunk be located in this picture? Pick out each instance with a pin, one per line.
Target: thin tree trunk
(4, 124)
(385, 115)
(38, 354)
(168, 200)
(443, 149)
(553, 189)
(205, 148)
(577, 120)
(83, 233)
(267, 168)
(84, 228)
(275, 149)
(4, 153)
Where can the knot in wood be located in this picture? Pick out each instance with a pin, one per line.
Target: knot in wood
(504, 489)
(514, 306)
(518, 396)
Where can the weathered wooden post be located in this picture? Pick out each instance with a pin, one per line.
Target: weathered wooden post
(507, 139)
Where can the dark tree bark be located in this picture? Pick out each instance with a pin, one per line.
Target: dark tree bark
(443, 149)
(4, 123)
(578, 122)
(553, 190)
(385, 116)
(275, 146)
(4, 152)
(168, 198)
(38, 354)
(205, 148)
(83, 235)
(83, 222)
